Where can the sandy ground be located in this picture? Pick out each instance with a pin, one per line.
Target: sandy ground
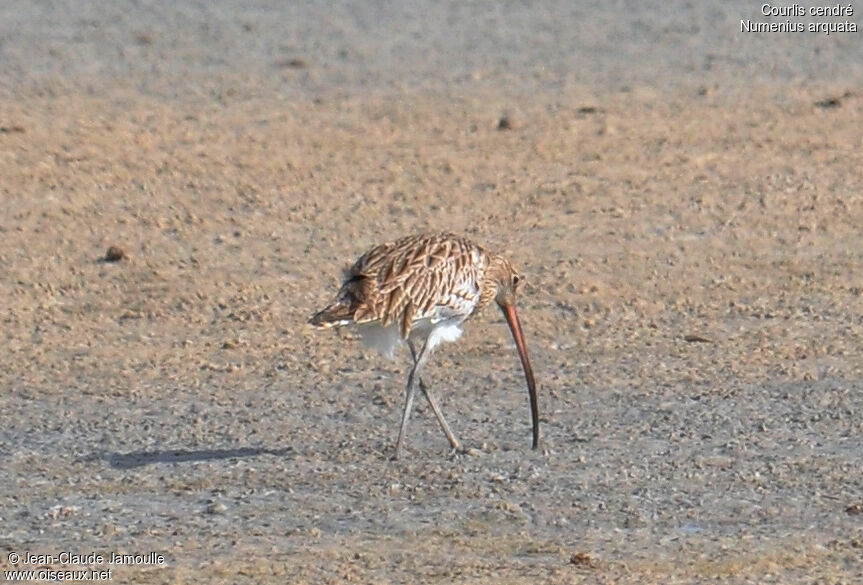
(690, 235)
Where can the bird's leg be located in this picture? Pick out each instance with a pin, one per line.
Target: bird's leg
(413, 378)
(434, 406)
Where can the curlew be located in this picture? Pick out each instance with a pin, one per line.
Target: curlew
(418, 291)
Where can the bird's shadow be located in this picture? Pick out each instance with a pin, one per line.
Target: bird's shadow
(142, 458)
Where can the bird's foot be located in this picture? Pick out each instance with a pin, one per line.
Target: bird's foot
(459, 451)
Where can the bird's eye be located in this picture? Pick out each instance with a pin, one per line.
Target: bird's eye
(515, 279)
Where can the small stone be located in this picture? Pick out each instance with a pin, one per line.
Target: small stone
(581, 559)
(505, 123)
(115, 254)
(293, 63)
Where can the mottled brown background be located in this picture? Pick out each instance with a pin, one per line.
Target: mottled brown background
(684, 200)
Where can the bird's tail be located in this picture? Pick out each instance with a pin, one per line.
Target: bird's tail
(335, 315)
(351, 305)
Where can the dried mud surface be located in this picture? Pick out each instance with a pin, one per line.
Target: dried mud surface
(694, 311)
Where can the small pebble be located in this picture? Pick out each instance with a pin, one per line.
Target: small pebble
(581, 559)
(114, 254)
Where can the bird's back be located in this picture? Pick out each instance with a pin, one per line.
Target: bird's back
(421, 278)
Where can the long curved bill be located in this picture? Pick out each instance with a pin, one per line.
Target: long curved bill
(515, 326)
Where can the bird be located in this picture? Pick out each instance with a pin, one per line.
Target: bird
(418, 291)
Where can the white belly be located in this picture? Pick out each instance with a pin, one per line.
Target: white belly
(387, 339)
(447, 330)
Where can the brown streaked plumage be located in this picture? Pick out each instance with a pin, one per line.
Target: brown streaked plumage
(419, 290)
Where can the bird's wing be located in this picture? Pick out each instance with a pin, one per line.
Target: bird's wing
(424, 277)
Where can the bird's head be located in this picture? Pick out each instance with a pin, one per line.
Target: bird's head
(506, 281)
